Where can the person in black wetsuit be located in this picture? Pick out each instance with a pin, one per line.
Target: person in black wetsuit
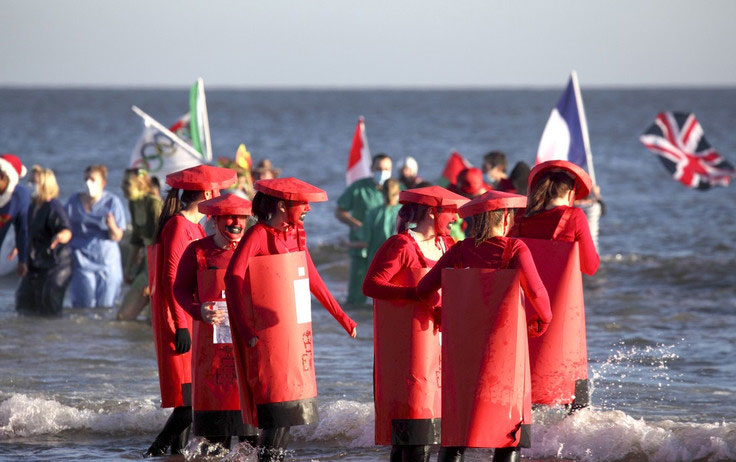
(41, 291)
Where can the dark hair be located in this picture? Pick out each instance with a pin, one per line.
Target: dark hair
(390, 187)
(423, 184)
(551, 186)
(410, 213)
(99, 168)
(264, 206)
(482, 224)
(173, 205)
(378, 158)
(519, 176)
(495, 158)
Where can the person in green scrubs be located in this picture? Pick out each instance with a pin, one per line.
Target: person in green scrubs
(380, 222)
(352, 208)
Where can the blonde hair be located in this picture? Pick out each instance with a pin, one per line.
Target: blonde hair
(46, 183)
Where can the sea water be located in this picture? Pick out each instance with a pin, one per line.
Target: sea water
(660, 310)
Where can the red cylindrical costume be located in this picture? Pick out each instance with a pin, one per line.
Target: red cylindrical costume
(407, 372)
(560, 242)
(175, 376)
(201, 278)
(268, 285)
(485, 386)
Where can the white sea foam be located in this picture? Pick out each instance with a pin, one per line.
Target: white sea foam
(22, 416)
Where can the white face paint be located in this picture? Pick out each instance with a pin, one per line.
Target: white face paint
(94, 188)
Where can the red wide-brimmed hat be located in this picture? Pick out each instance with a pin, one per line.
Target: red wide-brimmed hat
(202, 178)
(583, 183)
(492, 200)
(291, 189)
(227, 204)
(434, 196)
(470, 181)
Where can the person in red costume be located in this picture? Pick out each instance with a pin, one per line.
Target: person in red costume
(559, 361)
(268, 285)
(178, 226)
(407, 380)
(554, 186)
(488, 247)
(199, 289)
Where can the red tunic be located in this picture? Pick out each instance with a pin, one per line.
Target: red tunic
(544, 224)
(175, 237)
(261, 239)
(399, 251)
(489, 254)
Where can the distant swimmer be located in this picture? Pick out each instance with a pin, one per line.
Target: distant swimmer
(14, 202)
(485, 362)
(177, 227)
(268, 285)
(352, 207)
(557, 235)
(199, 288)
(41, 290)
(98, 223)
(406, 370)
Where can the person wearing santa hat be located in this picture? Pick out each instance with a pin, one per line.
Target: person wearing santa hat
(406, 371)
(199, 288)
(486, 394)
(178, 226)
(268, 285)
(14, 202)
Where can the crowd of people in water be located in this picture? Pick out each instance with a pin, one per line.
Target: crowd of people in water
(476, 287)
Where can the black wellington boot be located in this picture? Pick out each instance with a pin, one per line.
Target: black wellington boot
(506, 455)
(451, 454)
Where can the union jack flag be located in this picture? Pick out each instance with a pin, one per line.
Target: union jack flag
(678, 139)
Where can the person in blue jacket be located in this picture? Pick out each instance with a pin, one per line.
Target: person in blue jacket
(98, 221)
(14, 202)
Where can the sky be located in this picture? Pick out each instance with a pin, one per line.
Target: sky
(371, 43)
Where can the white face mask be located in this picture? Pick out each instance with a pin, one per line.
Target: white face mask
(94, 188)
(33, 189)
(381, 176)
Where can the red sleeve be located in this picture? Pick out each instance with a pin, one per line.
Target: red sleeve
(175, 241)
(432, 281)
(249, 247)
(185, 284)
(389, 260)
(319, 289)
(589, 259)
(531, 282)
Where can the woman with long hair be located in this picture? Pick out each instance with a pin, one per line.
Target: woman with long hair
(178, 225)
(406, 378)
(41, 291)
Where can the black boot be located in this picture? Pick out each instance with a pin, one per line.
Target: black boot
(416, 453)
(506, 455)
(272, 444)
(177, 423)
(451, 454)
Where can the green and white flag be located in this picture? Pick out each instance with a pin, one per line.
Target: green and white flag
(198, 121)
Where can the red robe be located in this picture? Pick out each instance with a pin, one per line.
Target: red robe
(489, 254)
(544, 224)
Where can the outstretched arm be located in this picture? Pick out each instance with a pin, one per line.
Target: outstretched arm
(319, 289)
(389, 260)
(589, 259)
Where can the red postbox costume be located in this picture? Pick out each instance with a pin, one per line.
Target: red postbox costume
(407, 372)
(486, 395)
(201, 278)
(167, 316)
(268, 284)
(561, 245)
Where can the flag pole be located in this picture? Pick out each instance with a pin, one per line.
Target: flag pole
(583, 125)
(160, 127)
(205, 122)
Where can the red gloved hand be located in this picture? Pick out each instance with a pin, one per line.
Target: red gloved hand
(535, 327)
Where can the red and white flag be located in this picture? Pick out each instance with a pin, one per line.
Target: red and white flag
(359, 161)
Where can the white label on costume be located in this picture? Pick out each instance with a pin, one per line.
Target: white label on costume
(303, 300)
(440, 338)
(221, 332)
(301, 272)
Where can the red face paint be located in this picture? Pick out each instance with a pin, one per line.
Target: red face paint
(296, 212)
(231, 227)
(443, 220)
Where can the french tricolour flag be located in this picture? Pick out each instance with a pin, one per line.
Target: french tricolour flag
(359, 161)
(565, 136)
